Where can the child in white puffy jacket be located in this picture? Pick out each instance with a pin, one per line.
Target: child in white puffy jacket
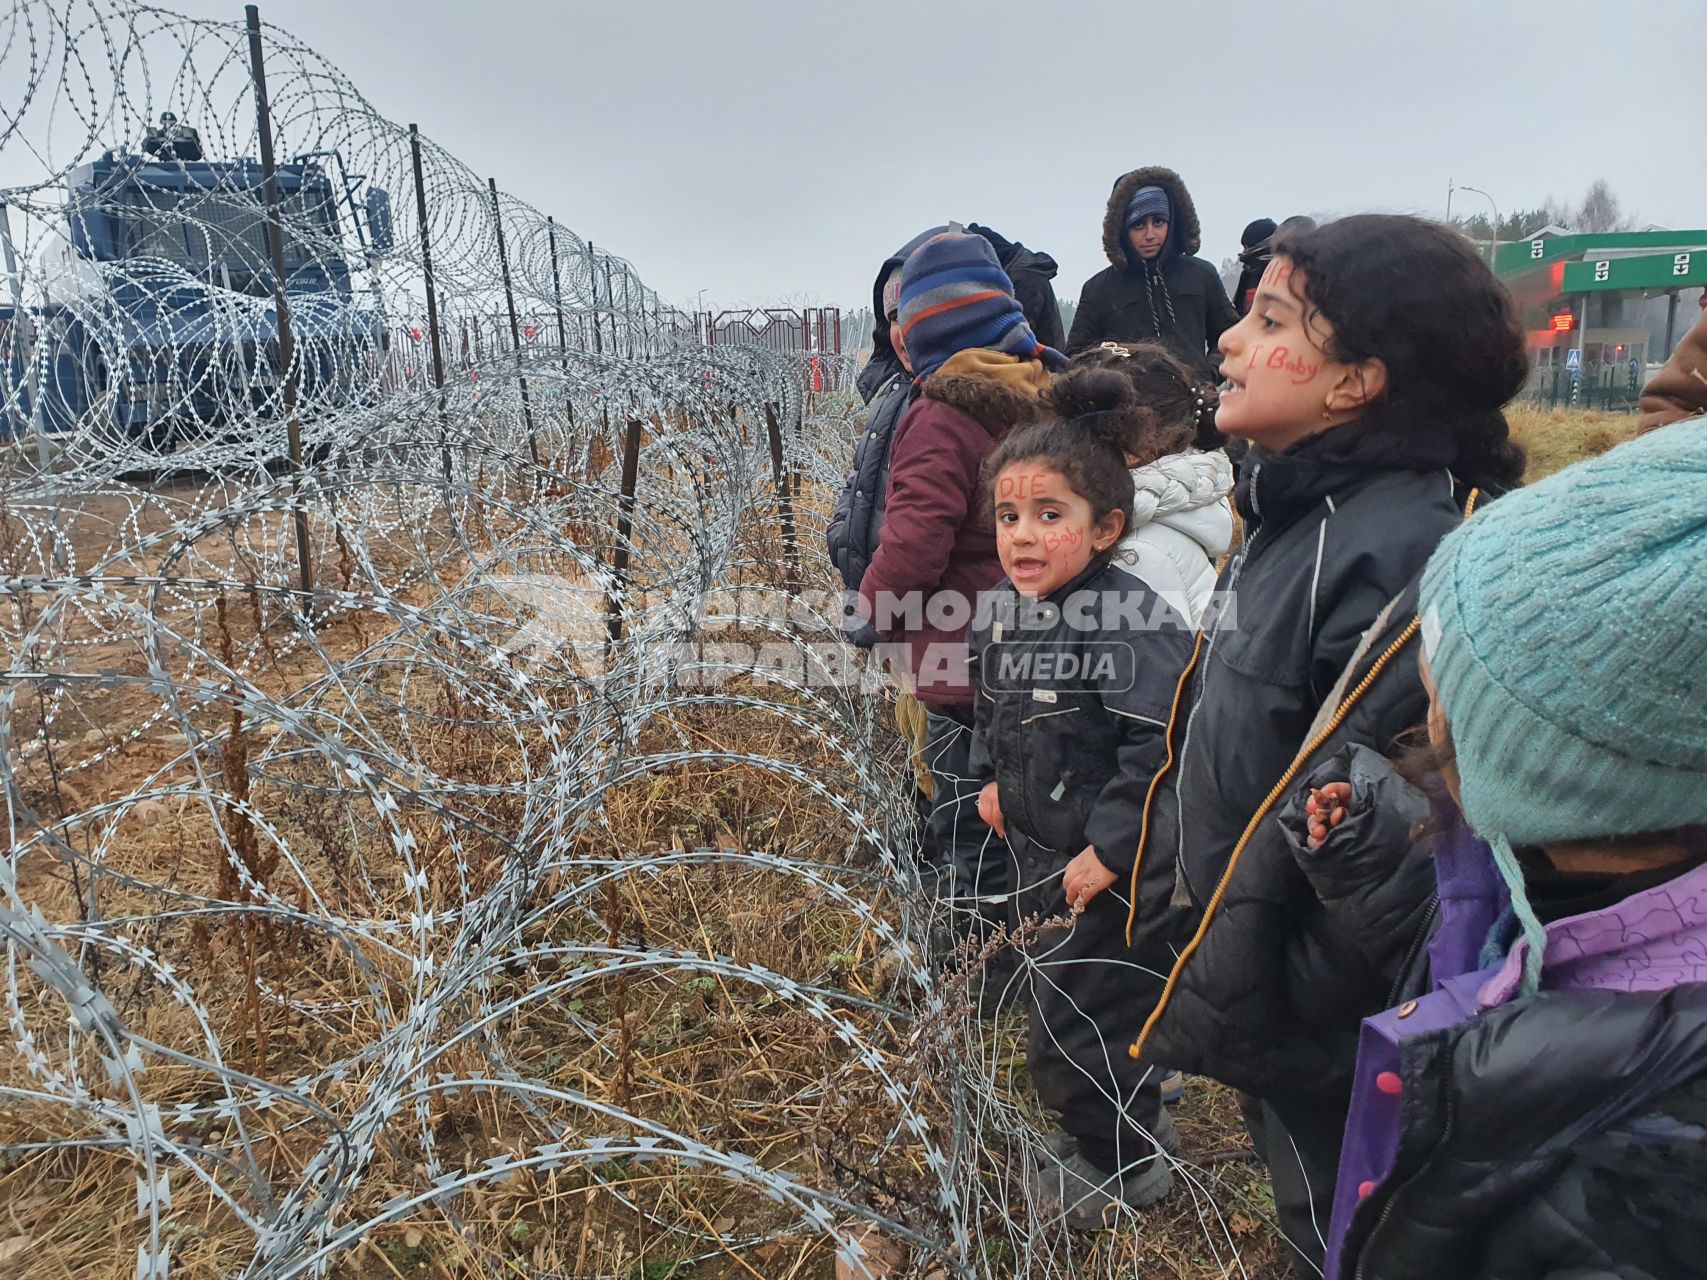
(1182, 520)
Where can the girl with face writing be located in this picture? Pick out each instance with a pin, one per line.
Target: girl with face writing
(1368, 378)
(1046, 533)
(1076, 661)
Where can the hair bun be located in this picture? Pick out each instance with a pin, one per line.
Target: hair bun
(1080, 392)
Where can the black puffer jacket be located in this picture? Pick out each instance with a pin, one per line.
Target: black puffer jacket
(1177, 299)
(1562, 1137)
(1073, 695)
(857, 520)
(1031, 273)
(1330, 542)
(1358, 939)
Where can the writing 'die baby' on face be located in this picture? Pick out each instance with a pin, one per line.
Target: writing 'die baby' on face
(1045, 532)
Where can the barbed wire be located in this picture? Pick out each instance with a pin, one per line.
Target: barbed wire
(351, 881)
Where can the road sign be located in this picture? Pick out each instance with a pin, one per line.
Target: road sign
(1574, 360)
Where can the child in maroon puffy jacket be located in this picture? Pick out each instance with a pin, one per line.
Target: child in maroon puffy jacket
(981, 372)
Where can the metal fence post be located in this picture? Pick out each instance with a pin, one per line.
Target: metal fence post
(627, 313)
(593, 275)
(275, 252)
(563, 337)
(432, 292)
(624, 530)
(784, 498)
(557, 295)
(515, 323)
(610, 301)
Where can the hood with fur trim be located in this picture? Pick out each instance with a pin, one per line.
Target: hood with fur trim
(1000, 390)
(1185, 236)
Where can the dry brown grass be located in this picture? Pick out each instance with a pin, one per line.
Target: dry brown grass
(725, 1061)
(1558, 437)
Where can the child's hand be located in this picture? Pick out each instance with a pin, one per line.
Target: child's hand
(1085, 878)
(1325, 809)
(990, 809)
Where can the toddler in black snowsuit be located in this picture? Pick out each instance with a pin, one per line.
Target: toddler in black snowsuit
(1076, 664)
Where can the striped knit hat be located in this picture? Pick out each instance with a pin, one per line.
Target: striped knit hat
(954, 297)
(1147, 202)
(1566, 632)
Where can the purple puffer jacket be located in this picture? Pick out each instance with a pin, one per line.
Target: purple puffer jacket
(1655, 940)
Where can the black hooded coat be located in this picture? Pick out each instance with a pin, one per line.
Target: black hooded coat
(1176, 299)
(1031, 273)
(1335, 528)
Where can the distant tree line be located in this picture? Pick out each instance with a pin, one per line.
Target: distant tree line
(1599, 211)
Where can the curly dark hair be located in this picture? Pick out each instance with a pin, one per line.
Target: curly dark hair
(1165, 408)
(1415, 295)
(1086, 451)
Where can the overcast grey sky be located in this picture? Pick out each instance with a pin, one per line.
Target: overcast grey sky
(763, 148)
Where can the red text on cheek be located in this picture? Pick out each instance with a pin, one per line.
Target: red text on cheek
(1063, 538)
(1281, 358)
(1302, 370)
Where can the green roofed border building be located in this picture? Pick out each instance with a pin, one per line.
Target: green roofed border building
(1611, 298)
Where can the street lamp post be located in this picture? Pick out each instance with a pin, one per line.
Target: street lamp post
(1494, 229)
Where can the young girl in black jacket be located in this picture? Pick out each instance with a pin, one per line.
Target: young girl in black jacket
(1369, 378)
(1077, 661)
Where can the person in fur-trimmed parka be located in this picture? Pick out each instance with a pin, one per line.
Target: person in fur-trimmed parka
(1155, 288)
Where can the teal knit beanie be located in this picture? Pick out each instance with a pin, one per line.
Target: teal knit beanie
(1566, 632)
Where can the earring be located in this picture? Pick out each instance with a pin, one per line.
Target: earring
(1326, 412)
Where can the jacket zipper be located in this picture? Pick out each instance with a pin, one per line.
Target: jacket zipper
(1417, 944)
(1235, 570)
(1387, 1208)
(1044, 715)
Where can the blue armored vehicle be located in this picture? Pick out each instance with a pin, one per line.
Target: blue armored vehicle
(157, 318)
